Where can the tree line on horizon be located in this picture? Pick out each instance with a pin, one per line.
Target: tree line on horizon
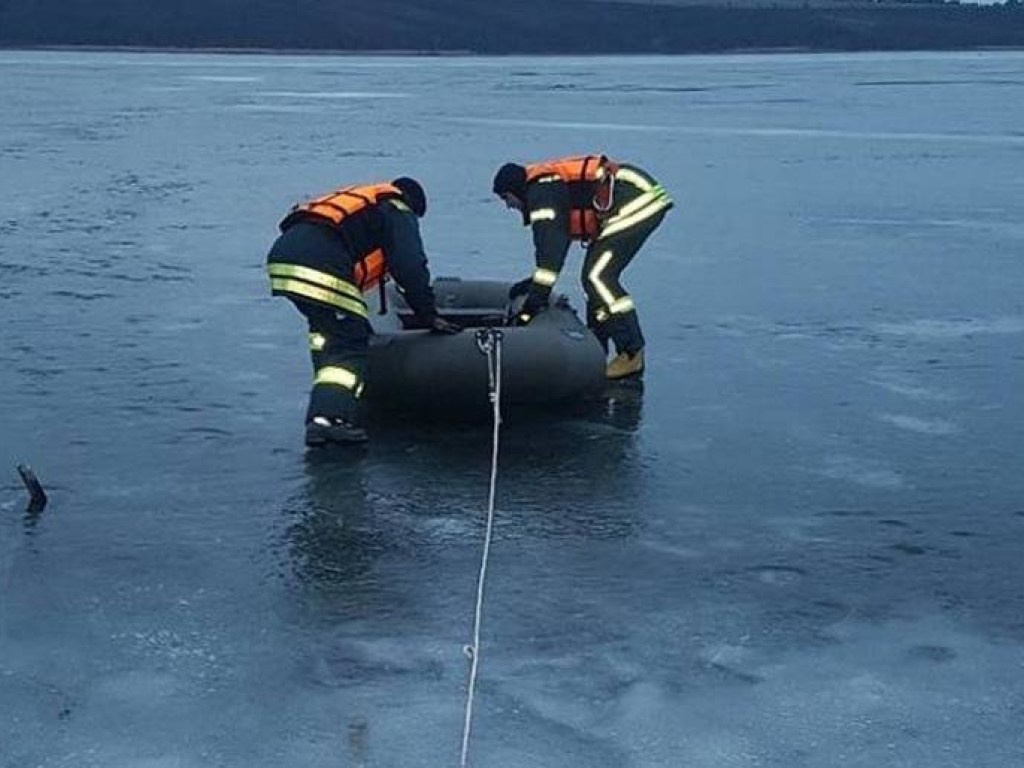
(516, 26)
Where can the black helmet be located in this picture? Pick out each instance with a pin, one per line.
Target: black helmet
(413, 194)
(510, 179)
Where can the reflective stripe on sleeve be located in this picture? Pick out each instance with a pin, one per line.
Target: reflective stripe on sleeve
(341, 377)
(545, 277)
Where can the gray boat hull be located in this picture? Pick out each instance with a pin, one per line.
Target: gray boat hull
(553, 362)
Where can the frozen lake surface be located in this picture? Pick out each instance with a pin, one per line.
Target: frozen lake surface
(799, 546)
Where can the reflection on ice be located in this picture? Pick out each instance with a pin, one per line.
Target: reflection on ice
(1009, 139)
(922, 426)
(929, 328)
(863, 472)
(332, 95)
(225, 78)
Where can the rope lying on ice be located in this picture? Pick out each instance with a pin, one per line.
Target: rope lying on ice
(489, 342)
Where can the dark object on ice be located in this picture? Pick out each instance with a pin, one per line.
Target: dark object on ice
(552, 362)
(37, 496)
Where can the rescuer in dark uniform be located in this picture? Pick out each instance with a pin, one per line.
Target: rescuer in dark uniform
(611, 208)
(330, 252)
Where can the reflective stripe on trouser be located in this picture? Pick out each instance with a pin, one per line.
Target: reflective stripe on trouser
(651, 200)
(307, 283)
(338, 347)
(610, 309)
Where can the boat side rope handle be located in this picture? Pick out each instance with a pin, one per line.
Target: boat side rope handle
(489, 342)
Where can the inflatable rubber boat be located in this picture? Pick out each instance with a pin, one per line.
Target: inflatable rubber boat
(554, 361)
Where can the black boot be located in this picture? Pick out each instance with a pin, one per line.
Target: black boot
(322, 430)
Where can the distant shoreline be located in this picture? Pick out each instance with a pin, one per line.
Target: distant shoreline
(231, 51)
(348, 52)
(460, 28)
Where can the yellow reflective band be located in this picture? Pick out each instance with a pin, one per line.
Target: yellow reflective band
(633, 206)
(400, 206)
(548, 179)
(601, 315)
(319, 294)
(595, 277)
(634, 178)
(317, 341)
(618, 225)
(544, 277)
(341, 377)
(542, 214)
(621, 306)
(359, 390)
(322, 279)
(599, 172)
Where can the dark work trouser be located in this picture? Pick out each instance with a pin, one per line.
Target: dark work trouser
(610, 310)
(338, 344)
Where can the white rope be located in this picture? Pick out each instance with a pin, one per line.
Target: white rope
(492, 348)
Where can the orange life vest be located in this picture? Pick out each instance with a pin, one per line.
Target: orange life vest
(342, 207)
(590, 179)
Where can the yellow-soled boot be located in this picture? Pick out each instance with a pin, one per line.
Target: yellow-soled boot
(626, 365)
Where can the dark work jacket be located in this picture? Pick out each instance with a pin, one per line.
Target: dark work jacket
(551, 234)
(311, 241)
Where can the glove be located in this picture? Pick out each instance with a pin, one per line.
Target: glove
(534, 305)
(520, 289)
(440, 325)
